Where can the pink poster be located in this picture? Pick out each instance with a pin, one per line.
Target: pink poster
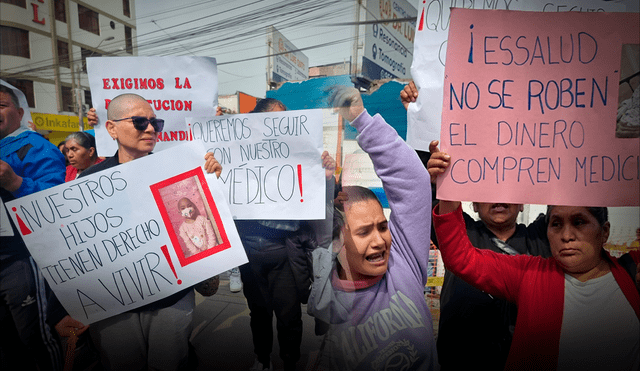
(542, 108)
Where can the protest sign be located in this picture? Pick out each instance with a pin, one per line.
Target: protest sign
(430, 48)
(530, 106)
(175, 87)
(271, 162)
(120, 238)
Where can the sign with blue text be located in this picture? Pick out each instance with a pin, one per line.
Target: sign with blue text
(430, 50)
(536, 114)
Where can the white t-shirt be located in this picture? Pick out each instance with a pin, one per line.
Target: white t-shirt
(600, 330)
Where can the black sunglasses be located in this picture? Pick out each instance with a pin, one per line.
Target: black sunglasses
(141, 123)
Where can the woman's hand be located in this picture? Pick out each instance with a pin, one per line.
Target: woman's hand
(69, 327)
(437, 165)
(92, 117)
(408, 94)
(211, 165)
(329, 165)
(438, 162)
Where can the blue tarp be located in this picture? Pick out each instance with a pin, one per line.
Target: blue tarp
(314, 93)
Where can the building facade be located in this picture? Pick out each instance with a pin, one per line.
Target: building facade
(44, 45)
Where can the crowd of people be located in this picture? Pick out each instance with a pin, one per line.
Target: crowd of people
(541, 296)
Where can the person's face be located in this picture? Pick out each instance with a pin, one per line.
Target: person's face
(576, 238)
(78, 156)
(134, 142)
(367, 240)
(187, 208)
(497, 216)
(10, 115)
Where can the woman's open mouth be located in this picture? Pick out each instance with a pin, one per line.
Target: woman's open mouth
(376, 258)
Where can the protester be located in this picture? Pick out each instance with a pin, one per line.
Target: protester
(29, 163)
(271, 281)
(63, 150)
(576, 310)
(81, 153)
(470, 318)
(196, 230)
(375, 300)
(155, 336)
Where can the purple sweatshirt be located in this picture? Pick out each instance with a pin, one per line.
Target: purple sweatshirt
(388, 325)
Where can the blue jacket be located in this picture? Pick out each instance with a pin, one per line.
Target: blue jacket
(40, 164)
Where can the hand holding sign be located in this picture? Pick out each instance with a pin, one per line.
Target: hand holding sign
(212, 165)
(438, 162)
(408, 94)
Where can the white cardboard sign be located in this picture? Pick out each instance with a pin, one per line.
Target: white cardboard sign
(271, 162)
(112, 241)
(176, 87)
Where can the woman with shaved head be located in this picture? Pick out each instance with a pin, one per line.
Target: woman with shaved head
(155, 336)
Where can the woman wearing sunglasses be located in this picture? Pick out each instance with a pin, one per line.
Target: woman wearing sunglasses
(154, 336)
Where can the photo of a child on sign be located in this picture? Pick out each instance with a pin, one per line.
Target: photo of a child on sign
(196, 230)
(190, 216)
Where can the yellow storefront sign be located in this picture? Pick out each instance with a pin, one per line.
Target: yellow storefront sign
(51, 122)
(435, 281)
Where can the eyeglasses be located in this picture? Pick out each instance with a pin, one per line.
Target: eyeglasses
(141, 122)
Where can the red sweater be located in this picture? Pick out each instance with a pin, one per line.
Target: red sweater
(72, 172)
(535, 284)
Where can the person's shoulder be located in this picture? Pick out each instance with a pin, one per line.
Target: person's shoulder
(107, 163)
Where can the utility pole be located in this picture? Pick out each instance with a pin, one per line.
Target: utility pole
(354, 65)
(79, 100)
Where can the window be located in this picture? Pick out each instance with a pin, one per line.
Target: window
(67, 99)
(61, 10)
(20, 3)
(87, 98)
(25, 86)
(126, 8)
(14, 41)
(86, 53)
(127, 39)
(88, 20)
(63, 54)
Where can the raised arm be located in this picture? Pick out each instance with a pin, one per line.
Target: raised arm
(497, 274)
(405, 180)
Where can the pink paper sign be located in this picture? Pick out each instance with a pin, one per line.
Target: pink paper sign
(538, 108)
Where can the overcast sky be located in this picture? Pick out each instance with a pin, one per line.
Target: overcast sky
(217, 29)
(232, 31)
